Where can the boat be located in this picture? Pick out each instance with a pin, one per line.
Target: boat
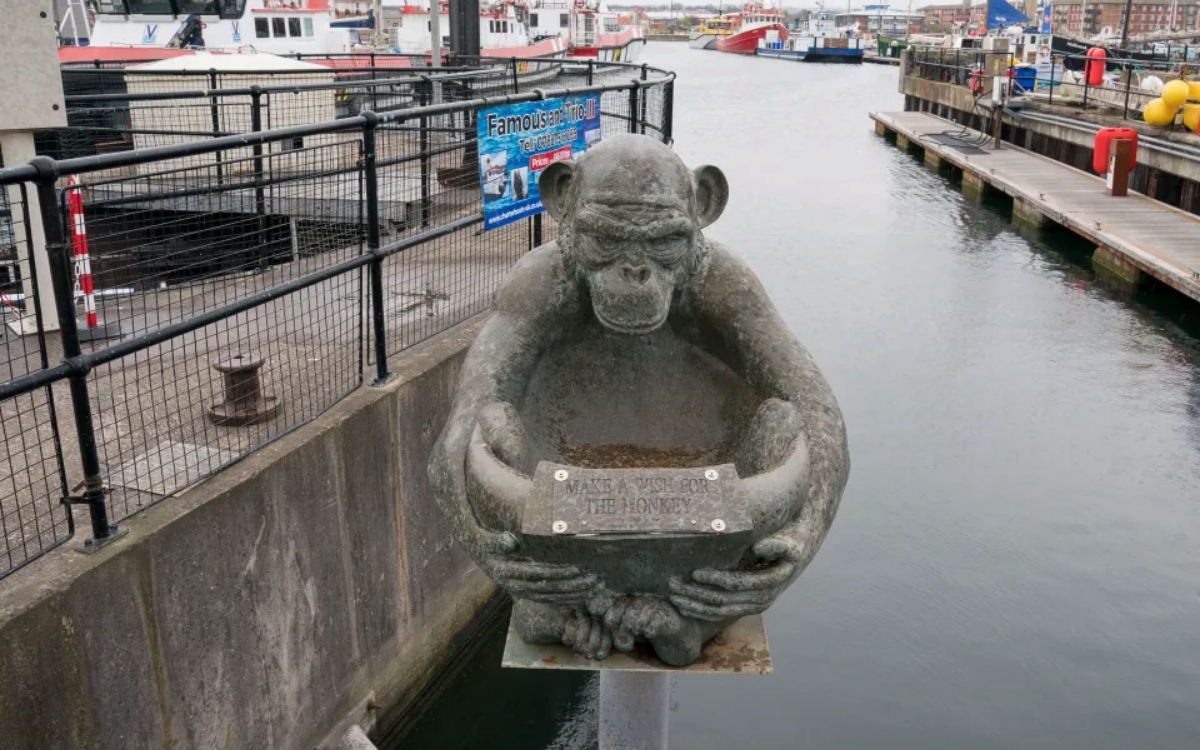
(817, 39)
(282, 27)
(144, 30)
(1073, 53)
(504, 32)
(710, 30)
(758, 24)
(590, 29)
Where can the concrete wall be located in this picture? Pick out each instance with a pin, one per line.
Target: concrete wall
(260, 607)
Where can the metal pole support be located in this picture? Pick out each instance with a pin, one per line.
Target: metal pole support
(634, 710)
(260, 195)
(371, 185)
(60, 274)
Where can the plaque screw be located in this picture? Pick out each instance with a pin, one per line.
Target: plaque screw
(693, 522)
(561, 526)
(561, 475)
(584, 523)
(711, 475)
(717, 525)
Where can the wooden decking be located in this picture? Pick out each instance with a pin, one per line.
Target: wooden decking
(1134, 234)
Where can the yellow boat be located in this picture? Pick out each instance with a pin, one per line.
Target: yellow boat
(710, 30)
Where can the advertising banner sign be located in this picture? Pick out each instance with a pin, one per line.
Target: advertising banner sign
(518, 141)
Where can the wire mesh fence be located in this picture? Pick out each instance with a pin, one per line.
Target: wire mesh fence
(32, 475)
(221, 290)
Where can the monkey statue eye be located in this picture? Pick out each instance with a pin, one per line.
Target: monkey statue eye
(598, 251)
(668, 251)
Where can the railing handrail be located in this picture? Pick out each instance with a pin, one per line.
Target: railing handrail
(282, 89)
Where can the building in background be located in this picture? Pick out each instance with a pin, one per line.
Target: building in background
(1096, 17)
(882, 19)
(953, 17)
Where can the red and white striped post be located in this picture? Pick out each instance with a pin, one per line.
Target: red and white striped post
(83, 264)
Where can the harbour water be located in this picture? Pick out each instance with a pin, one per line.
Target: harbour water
(1016, 563)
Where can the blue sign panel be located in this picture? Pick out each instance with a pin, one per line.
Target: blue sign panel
(518, 141)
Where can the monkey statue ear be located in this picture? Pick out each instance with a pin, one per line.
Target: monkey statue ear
(553, 185)
(712, 193)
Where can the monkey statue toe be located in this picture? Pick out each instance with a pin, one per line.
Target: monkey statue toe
(639, 450)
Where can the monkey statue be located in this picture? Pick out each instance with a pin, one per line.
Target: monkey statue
(659, 338)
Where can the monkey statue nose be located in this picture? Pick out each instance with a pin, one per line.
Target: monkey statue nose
(635, 274)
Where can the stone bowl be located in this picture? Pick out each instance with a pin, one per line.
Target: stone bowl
(649, 418)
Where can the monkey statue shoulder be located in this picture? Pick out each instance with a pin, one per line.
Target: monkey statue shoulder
(639, 449)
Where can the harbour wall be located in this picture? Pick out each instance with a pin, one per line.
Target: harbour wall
(1063, 134)
(313, 583)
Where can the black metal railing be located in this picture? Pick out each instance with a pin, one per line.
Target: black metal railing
(142, 110)
(244, 283)
(1119, 93)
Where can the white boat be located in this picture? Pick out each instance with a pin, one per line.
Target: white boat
(131, 30)
(284, 27)
(591, 30)
(818, 40)
(504, 29)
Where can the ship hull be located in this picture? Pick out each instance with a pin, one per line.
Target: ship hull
(625, 46)
(747, 42)
(846, 56)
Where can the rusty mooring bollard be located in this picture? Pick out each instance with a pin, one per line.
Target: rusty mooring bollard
(244, 400)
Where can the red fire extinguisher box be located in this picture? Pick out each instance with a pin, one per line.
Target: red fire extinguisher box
(1103, 140)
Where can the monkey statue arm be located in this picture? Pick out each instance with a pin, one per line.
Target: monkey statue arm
(729, 300)
(529, 312)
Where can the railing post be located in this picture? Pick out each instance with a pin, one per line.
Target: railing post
(260, 196)
(669, 112)
(633, 106)
(1086, 85)
(1052, 64)
(1128, 82)
(216, 121)
(516, 82)
(64, 298)
(537, 230)
(423, 122)
(591, 65)
(645, 99)
(371, 180)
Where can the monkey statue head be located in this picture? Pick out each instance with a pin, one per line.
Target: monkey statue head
(630, 216)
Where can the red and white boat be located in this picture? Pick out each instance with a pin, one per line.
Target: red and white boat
(589, 27)
(758, 25)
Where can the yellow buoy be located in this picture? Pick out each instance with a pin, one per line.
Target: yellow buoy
(1158, 113)
(1191, 117)
(1175, 93)
(1195, 90)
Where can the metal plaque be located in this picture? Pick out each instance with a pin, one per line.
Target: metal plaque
(572, 501)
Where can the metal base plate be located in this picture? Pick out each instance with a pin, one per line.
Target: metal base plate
(739, 649)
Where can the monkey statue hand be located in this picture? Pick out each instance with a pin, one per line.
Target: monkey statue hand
(499, 556)
(729, 594)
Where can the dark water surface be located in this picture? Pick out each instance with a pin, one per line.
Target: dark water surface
(1016, 563)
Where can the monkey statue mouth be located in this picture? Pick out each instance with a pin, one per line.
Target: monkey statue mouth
(632, 328)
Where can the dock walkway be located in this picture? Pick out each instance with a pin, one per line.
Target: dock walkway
(1134, 235)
